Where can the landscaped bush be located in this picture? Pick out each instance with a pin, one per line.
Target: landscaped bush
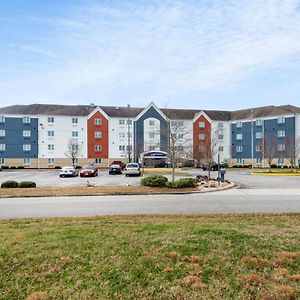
(156, 180)
(4, 167)
(225, 165)
(273, 166)
(13, 167)
(182, 183)
(9, 184)
(20, 167)
(26, 184)
(57, 167)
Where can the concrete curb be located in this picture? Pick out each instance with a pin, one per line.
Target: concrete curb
(274, 174)
(230, 186)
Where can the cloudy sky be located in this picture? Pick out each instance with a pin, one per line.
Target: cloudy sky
(180, 54)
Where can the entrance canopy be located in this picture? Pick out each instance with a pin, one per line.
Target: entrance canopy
(154, 154)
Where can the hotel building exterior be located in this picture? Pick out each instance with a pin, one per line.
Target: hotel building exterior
(38, 135)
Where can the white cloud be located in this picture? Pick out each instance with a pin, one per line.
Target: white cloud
(139, 52)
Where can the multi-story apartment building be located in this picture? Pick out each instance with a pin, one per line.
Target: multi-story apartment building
(40, 136)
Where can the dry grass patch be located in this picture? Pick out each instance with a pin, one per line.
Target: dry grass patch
(254, 261)
(295, 277)
(37, 296)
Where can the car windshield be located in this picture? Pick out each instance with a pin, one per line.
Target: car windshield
(88, 168)
(132, 166)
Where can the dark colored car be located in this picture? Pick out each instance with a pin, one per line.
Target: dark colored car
(115, 169)
(214, 167)
(88, 171)
(120, 163)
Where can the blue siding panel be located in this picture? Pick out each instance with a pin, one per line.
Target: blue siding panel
(14, 139)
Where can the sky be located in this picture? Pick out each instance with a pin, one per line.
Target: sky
(199, 54)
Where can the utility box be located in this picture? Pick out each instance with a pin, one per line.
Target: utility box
(222, 173)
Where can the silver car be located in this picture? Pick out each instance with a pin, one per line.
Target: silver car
(68, 172)
(132, 169)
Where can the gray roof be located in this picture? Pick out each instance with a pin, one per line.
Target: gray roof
(125, 112)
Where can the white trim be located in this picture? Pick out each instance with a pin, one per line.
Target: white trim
(151, 104)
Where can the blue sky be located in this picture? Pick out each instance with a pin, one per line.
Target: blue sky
(179, 54)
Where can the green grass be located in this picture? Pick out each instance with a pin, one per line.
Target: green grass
(151, 257)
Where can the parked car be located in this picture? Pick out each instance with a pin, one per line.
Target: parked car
(120, 163)
(88, 171)
(68, 172)
(132, 169)
(114, 169)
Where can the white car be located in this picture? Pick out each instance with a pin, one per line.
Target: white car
(68, 172)
(132, 169)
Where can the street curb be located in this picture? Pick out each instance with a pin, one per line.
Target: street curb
(274, 174)
(231, 186)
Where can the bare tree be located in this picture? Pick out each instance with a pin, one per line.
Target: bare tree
(207, 149)
(292, 150)
(179, 144)
(269, 148)
(73, 150)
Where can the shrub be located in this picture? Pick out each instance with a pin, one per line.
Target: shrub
(273, 166)
(9, 184)
(13, 167)
(225, 165)
(20, 167)
(26, 184)
(57, 167)
(156, 180)
(182, 183)
(4, 167)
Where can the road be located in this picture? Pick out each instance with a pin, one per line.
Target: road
(230, 201)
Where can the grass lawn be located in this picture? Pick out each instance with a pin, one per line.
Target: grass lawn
(151, 257)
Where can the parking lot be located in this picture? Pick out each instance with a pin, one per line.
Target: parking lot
(50, 178)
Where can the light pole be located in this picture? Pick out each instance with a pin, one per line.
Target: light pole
(128, 133)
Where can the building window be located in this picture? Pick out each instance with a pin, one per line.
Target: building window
(98, 134)
(281, 133)
(51, 161)
(121, 122)
(2, 119)
(281, 120)
(258, 160)
(239, 148)
(258, 135)
(259, 122)
(2, 147)
(151, 147)
(26, 147)
(98, 148)
(98, 121)
(26, 133)
(239, 160)
(258, 148)
(180, 135)
(122, 135)
(180, 148)
(74, 120)
(281, 147)
(76, 161)
(74, 134)
(201, 136)
(51, 147)
(220, 137)
(97, 160)
(50, 119)
(1, 161)
(177, 123)
(201, 124)
(26, 120)
(221, 148)
(239, 125)
(129, 122)
(26, 161)
(152, 135)
(239, 136)
(151, 122)
(50, 133)
(280, 161)
(121, 148)
(129, 148)
(202, 149)
(2, 132)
